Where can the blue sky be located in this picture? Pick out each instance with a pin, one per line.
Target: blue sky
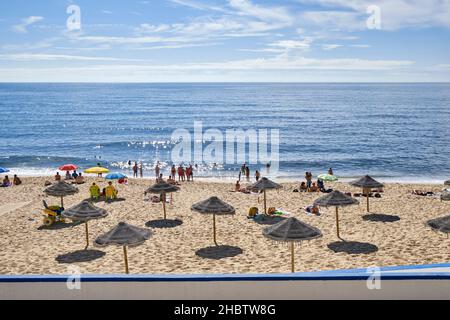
(225, 40)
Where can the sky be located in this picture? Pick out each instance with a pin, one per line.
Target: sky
(225, 41)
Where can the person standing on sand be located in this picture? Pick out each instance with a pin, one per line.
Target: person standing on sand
(141, 170)
(99, 175)
(173, 172)
(308, 177)
(135, 170)
(257, 175)
(191, 173)
(57, 177)
(183, 174)
(247, 173)
(180, 172)
(157, 170)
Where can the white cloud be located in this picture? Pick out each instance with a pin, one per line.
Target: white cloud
(395, 14)
(331, 46)
(106, 12)
(26, 22)
(56, 57)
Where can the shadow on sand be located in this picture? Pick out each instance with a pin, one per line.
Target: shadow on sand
(218, 252)
(352, 247)
(59, 225)
(268, 220)
(80, 256)
(164, 223)
(380, 217)
(102, 199)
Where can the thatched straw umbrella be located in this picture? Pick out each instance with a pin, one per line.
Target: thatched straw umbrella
(84, 212)
(336, 199)
(124, 235)
(291, 230)
(447, 183)
(61, 189)
(265, 184)
(367, 183)
(440, 224)
(162, 188)
(445, 196)
(213, 206)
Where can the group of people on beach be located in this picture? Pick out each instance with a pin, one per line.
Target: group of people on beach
(77, 177)
(109, 192)
(8, 183)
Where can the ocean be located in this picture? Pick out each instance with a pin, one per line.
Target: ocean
(395, 132)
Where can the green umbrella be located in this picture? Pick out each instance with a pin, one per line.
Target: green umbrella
(327, 177)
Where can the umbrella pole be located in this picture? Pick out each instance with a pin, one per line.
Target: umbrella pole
(265, 205)
(62, 202)
(87, 235)
(368, 203)
(337, 223)
(125, 257)
(164, 204)
(292, 258)
(214, 228)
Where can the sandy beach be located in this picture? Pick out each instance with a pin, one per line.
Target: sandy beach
(28, 248)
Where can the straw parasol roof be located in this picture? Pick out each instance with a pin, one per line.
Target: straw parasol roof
(447, 183)
(291, 230)
(124, 235)
(440, 224)
(265, 184)
(162, 187)
(367, 182)
(213, 206)
(61, 189)
(445, 196)
(335, 199)
(84, 212)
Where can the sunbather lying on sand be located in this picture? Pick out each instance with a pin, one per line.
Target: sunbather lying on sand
(422, 193)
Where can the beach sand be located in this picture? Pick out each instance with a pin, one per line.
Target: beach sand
(27, 248)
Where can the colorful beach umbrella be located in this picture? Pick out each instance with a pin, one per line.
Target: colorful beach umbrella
(124, 235)
(213, 206)
(327, 177)
(115, 176)
(336, 199)
(265, 184)
(97, 170)
(68, 167)
(291, 230)
(84, 212)
(3, 170)
(367, 183)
